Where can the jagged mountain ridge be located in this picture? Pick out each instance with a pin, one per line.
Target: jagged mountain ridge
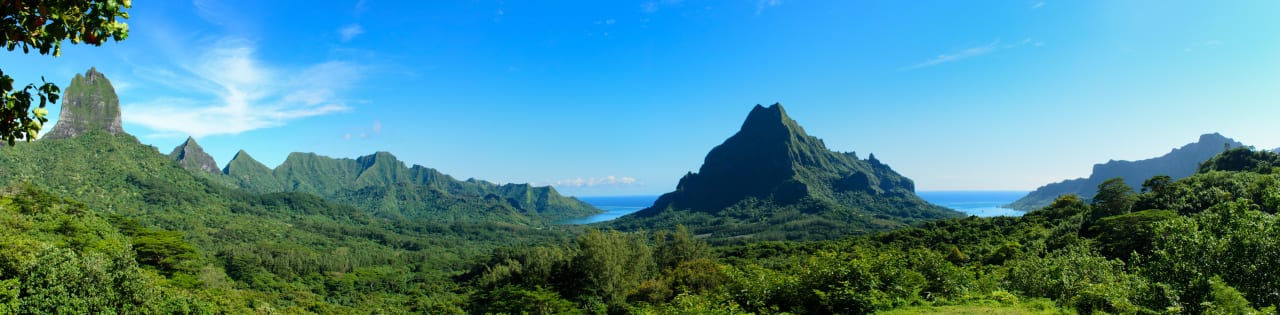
(190, 155)
(377, 183)
(1178, 163)
(382, 183)
(771, 168)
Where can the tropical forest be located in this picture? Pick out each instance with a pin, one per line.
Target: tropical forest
(96, 217)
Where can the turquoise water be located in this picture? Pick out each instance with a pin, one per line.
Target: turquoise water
(614, 207)
(979, 203)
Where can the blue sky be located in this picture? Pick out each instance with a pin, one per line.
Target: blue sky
(624, 97)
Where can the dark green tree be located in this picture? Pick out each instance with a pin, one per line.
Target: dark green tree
(42, 26)
(1114, 197)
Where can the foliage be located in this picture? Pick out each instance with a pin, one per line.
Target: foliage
(1243, 159)
(1233, 241)
(230, 247)
(100, 223)
(1223, 299)
(42, 25)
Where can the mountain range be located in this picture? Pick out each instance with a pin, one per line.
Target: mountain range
(1179, 163)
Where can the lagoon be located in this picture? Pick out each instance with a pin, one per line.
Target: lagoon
(979, 203)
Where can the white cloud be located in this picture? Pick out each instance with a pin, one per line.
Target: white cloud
(229, 91)
(610, 180)
(654, 5)
(969, 53)
(350, 31)
(1037, 5)
(377, 126)
(764, 4)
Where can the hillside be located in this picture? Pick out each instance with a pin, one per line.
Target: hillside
(232, 249)
(1204, 244)
(1179, 163)
(771, 180)
(384, 185)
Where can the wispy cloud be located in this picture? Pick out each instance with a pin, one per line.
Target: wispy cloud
(654, 6)
(361, 133)
(350, 31)
(765, 4)
(970, 52)
(1037, 5)
(593, 182)
(1207, 44)
(228, 90)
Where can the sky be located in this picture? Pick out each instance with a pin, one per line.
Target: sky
(625, 97)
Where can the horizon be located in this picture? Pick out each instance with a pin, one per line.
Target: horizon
(622, 99)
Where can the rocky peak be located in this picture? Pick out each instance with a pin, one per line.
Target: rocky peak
(772, 158)
(190, 155)
(89, 103)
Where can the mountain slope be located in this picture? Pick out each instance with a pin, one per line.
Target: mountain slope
(772, 180)
(1179, 163)
(248, 173)
(383, 184)
(287, 252)
(190, 155)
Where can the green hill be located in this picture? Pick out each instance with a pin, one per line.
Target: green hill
(1179, 163)
(100, 211)
(386, 186)
(771, 180)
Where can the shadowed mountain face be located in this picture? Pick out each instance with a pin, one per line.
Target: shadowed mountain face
(1179, 163)
(772, 166)
(89, 103)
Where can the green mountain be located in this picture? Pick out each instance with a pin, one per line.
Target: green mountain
(250, 174)
(98, 222)
(386, 186)
(771, 180)
(1179, 163)
(89, 103)
(190, 155)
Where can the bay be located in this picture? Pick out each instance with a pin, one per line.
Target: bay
(979, 203)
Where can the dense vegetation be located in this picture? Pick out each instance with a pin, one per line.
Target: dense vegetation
(1179, 163)
(233, 251)
(151, 237)
(772, 181)
(99, 223)
(383, 185)
(1204, 244)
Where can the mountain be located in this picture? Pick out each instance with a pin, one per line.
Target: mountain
(89, 103)
(248, 173)
(383, 184)
(98, 221)
(772, 180)
(1179, 163)
(190, 155)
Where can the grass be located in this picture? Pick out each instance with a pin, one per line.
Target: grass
(986, 307)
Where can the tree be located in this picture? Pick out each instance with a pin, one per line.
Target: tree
(42, 25)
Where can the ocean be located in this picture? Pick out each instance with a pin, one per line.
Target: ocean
(979, 203)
